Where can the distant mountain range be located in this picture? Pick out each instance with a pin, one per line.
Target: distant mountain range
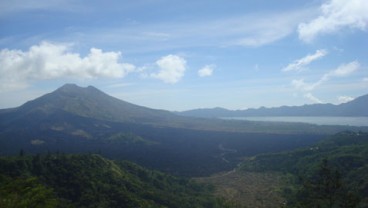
(75, 119)
(71, 103)
(356, 107)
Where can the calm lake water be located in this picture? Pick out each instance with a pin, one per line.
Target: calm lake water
(350, 121)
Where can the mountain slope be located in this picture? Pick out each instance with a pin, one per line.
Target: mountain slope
(72, 102)
(73, 119)
(356, 107)
(92, 181)
(345, 154)
(93, 103)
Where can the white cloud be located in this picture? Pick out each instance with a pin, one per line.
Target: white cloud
(336, 15)
(206, 71)
(298, 64)
(365, 79)
(259, 30)
(341, 71)
(300, 85)
(49, 61)
(344, 69)
(344, 99)
(171, 67)
(250, 30)
(312, 98)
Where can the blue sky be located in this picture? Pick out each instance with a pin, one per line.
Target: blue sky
(180, 55)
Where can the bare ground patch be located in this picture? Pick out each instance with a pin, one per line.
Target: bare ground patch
(248, 189)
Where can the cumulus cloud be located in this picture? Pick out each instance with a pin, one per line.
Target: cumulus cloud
(55, 60)
(171, 69)
(336, 15)
(344, 99)
(206, 71)
(298, 64)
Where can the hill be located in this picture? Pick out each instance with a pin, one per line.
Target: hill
(356, 107)
(58, 180)
(338, 165)
(74, 119)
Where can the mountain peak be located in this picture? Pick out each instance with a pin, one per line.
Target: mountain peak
(75, 88)
(93, 103)
(69, 86)
(356, 107)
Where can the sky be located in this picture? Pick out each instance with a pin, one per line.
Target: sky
(180, 55)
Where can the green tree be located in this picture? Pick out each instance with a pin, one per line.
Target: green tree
(25, 192)
(326, 190)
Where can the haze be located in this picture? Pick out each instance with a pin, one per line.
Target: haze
(178, 55)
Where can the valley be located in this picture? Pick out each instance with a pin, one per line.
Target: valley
(73, 119)
(231, 163)
(183, 104)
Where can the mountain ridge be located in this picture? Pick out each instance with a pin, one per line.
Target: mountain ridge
(90, 102)
(355, 107)
(76, 119)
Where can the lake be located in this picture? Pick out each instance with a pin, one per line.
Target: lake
(349, 121)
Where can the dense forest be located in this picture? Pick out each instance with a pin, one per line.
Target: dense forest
(65, 180)
(332, 173)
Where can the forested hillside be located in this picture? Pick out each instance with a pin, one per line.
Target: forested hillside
(58, 180)
(74, 120)
(331, 173)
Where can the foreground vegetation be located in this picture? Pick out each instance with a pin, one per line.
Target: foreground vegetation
(58, 180)
(330, 174)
